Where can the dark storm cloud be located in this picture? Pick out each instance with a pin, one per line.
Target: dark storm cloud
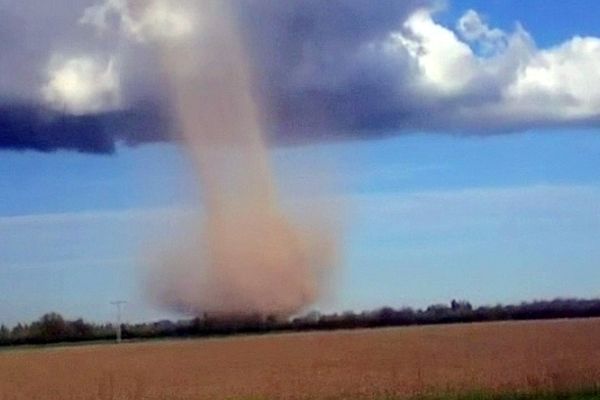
(310, 41)
(323, 70)
(34, 127)
(317, 75)
(30, 32)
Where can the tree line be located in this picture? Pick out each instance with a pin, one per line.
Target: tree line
(53, 328)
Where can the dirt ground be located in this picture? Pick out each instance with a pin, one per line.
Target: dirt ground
(361, 364)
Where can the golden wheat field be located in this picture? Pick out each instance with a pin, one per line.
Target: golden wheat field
(360, 364)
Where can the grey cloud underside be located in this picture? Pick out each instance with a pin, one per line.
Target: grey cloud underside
(316, 74)
(312, 75)
(281, 37)
(33, 127)
(279, 33)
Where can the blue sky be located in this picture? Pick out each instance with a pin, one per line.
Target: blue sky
(549, 22)
(427, 216)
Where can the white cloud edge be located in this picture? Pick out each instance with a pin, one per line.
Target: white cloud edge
(560, 83)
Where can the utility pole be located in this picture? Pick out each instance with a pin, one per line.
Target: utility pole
(118, 304)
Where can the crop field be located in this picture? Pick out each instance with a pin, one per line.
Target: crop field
(363, 364)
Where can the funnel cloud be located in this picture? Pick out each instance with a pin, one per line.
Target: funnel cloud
(244, 256)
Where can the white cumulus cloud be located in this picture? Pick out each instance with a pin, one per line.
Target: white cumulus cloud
(82, 85)
(473, 29)
(509, 82)
(143, 21)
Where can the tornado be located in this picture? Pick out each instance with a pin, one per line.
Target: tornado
(243, 255)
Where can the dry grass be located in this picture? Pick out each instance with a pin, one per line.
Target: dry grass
(554, 355)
